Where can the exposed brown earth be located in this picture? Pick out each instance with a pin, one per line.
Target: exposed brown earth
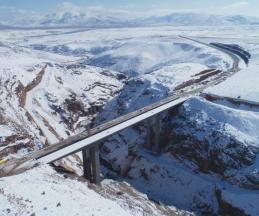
(22, 91)
(203, 77)
(234, 101)
(205, 72)
(22, 94)
(18, 140)
(50, 128)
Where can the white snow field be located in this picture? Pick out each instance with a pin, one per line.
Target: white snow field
(209, 162)
(243, 85)
(42, 191)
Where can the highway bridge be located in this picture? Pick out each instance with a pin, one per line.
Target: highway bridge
(88, 141)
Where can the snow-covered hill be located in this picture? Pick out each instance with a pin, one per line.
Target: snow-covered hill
(46, 201)
(141, 56)
(56, 83)
(209, 163)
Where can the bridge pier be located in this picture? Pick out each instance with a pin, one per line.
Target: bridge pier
(157, 132)
(149, 128)
(91, 164)
(153, 134)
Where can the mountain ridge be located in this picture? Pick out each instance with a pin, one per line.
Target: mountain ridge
(97, 19)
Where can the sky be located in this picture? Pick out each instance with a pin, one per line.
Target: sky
(156, 7)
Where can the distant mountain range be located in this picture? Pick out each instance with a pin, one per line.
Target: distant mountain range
(82, 18)
(192, 19)
(79, 19)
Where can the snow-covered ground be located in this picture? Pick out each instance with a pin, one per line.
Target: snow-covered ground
(243, 85)
(42, 191)
(216, 141)
(133, 51)
(209, 163)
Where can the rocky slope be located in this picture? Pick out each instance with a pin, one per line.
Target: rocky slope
(50, 90)
(43, 102)
(209, 150)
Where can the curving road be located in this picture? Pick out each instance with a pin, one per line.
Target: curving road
(234, 57)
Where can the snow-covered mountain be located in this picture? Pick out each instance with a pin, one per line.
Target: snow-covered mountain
(80, 19)
(57, 83)
(72, 15)
(195, 19)
(67, 18)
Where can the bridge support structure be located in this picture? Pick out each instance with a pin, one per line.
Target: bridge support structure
(91, 164)
(149, 132)
(158, 123)
(153, 135)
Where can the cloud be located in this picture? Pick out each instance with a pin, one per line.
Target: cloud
(129, 11)
(126, 11)
(68, 6)
(13, 16)
(236, 5)
(90, 10)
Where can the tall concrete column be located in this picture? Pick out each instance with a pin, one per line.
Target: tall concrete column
(157, 134)
(91, 164)
(95, 161)
(148, 143)
(87, 164)
(153, 135)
